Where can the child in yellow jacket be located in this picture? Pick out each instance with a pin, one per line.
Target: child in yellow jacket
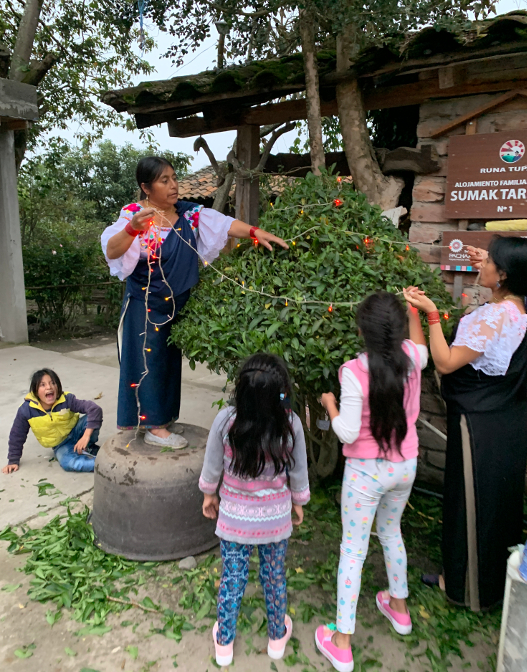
(53, 415)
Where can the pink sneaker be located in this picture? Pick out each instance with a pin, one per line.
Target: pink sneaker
(341, 659)
(276, 647)
(402, 623)
(224, 654)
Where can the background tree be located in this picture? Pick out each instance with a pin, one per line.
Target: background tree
(68, 195)
(80, 189)
(72, 51)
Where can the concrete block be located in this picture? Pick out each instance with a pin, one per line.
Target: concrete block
(436, 458)
(432, 403)
(432, 213)
(427, 473)
(430, 440)
(429, 253)
(426, 128)
(427, 233)
(450, 108)
(429, 189)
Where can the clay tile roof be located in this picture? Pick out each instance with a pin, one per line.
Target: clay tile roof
(202, 184)
(199, 185)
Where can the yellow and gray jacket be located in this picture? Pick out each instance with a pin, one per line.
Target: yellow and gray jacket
(49, 427)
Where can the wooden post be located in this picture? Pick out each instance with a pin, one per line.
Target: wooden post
(247, 190)
(13, 316)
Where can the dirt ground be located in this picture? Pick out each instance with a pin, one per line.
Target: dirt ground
(133, 646)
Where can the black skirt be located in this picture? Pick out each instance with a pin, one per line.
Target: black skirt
(484, 479)
(483, 502)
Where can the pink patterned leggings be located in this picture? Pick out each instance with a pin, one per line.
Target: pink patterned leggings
(371, 487)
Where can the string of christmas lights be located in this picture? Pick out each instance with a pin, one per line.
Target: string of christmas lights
(158, 247)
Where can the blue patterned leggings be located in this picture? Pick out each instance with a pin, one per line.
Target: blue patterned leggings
(234, 581)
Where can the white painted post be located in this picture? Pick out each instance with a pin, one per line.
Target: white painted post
(13, 316)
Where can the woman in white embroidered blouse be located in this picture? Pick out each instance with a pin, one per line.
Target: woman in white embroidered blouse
(484, 385)
(154, 246)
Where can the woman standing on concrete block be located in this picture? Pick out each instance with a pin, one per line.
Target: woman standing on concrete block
(485, 388)
(154, 246)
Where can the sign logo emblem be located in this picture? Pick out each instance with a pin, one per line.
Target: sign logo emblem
(456, 246)
(512, 151)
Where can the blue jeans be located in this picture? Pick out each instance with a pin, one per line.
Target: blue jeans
(68, 459)
(234, 581)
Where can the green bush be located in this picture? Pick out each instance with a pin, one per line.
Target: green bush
(58, 275)
(351, 252)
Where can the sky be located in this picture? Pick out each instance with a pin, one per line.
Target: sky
(205, 59)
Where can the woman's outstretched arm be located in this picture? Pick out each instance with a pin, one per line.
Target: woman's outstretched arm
(446, 359)
(240, 229)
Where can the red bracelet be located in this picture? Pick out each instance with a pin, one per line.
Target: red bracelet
(131, 231)
(433, 317)
(252, 230)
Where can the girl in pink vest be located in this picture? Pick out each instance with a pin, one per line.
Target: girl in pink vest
(379, 405)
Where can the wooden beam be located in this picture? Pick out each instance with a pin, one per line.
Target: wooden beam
(385, 97)
(290, 110)
(416, 93)
(9, 124)
(192, 126)
(450, 76)
(279, 113)
(478, 112)
(414, 65)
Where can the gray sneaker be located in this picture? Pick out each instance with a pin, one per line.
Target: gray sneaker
(171, 441)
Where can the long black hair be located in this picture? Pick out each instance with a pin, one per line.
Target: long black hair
(510, 257)
(261, 431)
(36, 379)
(382, 321)
(149, 170)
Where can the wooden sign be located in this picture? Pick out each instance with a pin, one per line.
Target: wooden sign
(454, 255)
(487, 176)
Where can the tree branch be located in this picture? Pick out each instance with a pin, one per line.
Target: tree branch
(40, 69)
(25, 39)
(276, 134)
(201, 143)
(226, 10)
(131, 603)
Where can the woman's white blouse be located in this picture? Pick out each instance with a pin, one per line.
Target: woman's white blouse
(212, 234)
(496, 330)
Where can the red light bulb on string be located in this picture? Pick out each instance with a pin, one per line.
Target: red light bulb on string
(142, 417)
(337, 202)
(339, 179)
(445, 316)
(330, 308)
(407, 247)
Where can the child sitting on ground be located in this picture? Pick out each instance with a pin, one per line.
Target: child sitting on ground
(259, 446)
(53, 415)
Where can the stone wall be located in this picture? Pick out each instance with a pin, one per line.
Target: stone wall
(428, 223)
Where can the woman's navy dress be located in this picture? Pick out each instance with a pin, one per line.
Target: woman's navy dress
(159, 394)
